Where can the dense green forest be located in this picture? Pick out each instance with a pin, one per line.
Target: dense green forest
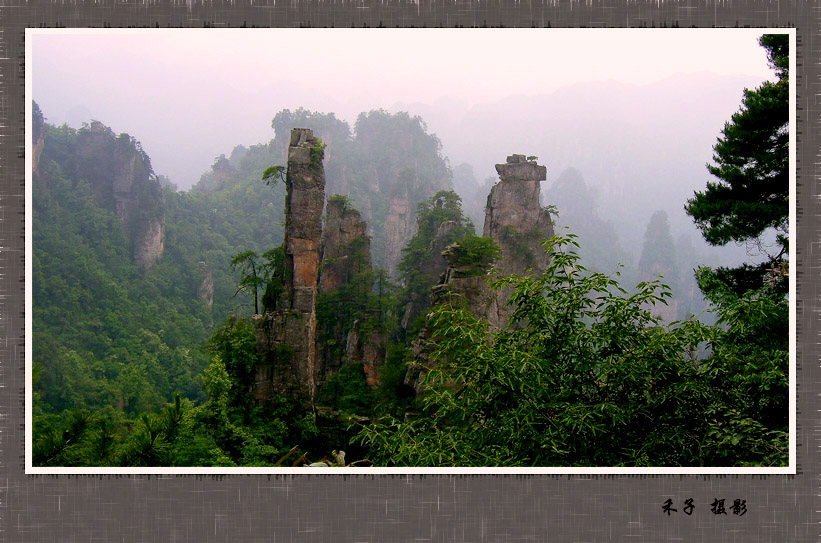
(149, 305)
(111, 338)
(116, 344)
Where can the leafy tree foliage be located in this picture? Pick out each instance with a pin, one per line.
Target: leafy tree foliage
(113, 343)
(264, 274)
(751, 162)
(365, 303)
(390, 140)
(109, 338)
(273, 174)
(332, 130)
(250, 281)
(439, 222)
(247, 433)
(588, 377)
(170, 437)
(748, 371)
(752, 165)
(105, 333)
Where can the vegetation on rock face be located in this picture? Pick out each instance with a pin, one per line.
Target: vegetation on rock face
(367, 299)
(439, 223)
(585, 375)
(521, 245)
(589, 377)
(382, 154)
(474, 252)
(110, 338)
(317, 153)
(106, 334)
(341, 199)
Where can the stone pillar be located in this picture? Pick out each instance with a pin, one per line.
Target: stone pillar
(304, 200)
(346, 250)
(516, 221)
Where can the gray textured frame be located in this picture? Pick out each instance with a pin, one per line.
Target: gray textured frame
(394, 508)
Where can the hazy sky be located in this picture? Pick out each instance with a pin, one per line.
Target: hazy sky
(189, 95)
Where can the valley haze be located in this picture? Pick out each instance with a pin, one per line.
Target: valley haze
(615, 129)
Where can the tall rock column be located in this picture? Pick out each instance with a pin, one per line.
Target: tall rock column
(516, 221)
(304, 199)
(354, 337)
(205, 289)
(346, 249)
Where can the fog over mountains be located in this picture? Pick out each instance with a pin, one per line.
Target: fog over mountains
(640, 147)
(337, 248)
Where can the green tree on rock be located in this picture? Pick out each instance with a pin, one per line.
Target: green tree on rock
(265, 274)
(439, 222)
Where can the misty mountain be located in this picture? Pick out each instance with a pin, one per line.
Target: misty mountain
(642, 147)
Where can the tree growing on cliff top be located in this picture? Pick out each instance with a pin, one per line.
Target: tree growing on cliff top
(421, 265)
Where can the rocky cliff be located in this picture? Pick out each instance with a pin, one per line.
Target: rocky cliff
(329, 276)
(517, 222)
(304, 200)
(149, 242)
(368, 348)
(432, 269)
(327, 318)
(514, 216)
(346, 250)
(120, 177)
(347, 334)
(435, 267)
(398, 228)
(205, 289)
(464, 285)
(288, 337)
(123, 181)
